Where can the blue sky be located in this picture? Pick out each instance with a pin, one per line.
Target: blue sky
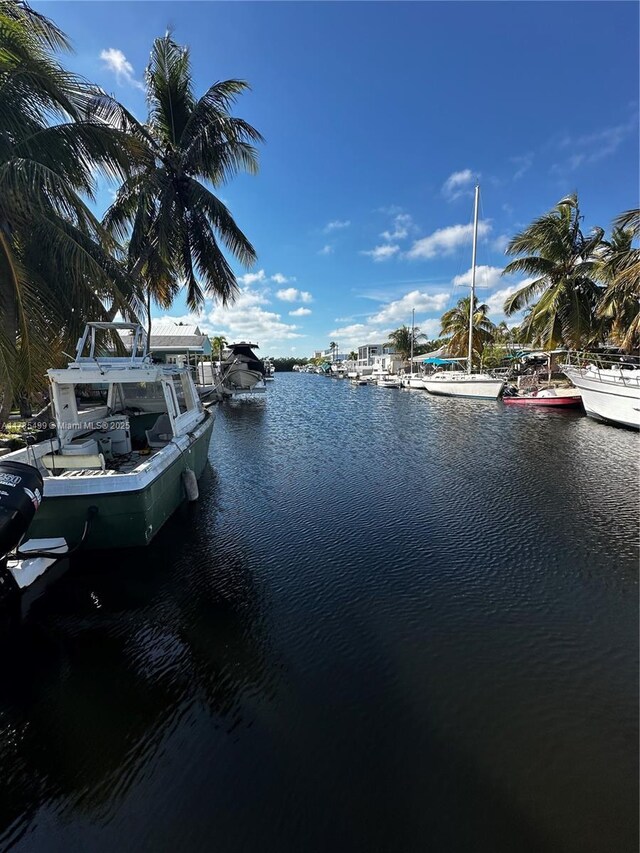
(377, 117)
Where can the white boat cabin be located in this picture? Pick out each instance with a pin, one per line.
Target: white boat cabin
(114, 411)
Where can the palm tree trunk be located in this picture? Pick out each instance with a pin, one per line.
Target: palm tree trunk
(8, 330)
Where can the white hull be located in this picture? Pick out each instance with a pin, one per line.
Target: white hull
(479, 386)
(413, 382)
(237, 377)
(609, 395)
(388, 382)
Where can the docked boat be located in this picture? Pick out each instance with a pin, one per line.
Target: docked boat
(269, 370)
(544, 397)
(456, 383)
(132, 439)
(242, 370)
(610, 390)
(388, 381)
(413, 380)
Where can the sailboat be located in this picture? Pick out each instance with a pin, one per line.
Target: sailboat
(458, 383)
(413, 380)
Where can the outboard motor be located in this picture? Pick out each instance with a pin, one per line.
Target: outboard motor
(20, 496)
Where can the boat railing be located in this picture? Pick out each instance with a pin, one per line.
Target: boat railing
(623, 368)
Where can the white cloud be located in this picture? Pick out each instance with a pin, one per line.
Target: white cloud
(495, 302)
(336, 225)
(486, 276)
(382, 253)
(458, 184)
(300, 312)
(117, 62)
(522, 163)
(291, 294)
(399, 311)
(593, 147)
(248, 319)
(252, 278)
(445, 240)
(281, 279)
(402, 223)
(500, 243)
(326, 250)
(358, 334)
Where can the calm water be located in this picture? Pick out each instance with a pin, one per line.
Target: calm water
(392, 623)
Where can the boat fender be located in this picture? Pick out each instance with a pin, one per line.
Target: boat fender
(190, 484)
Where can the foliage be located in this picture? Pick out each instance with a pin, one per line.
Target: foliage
(217, 346)
(455, 326)
(173, 222)
(495, 354)
(400, 340)
(353, 355)
(618, 268)
(285, 365)
(57, 134)
(563, 292)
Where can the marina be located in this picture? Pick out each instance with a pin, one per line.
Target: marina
(319, 471)
(291, 648)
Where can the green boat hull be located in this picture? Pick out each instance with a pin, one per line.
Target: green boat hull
(124, 519)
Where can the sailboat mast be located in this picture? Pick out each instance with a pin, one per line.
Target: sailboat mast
(473, 277)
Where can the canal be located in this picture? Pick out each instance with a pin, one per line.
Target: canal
(392, 623)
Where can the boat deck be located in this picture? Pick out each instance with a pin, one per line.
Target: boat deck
(120, 465)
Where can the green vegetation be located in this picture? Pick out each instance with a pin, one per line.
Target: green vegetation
(455, 325)
(582, 289)
(164, 209)
(59, 265)
(587, 288)
(400, 340)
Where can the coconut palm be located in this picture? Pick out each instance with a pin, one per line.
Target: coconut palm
(174, 223)
(400, 340)
(619, 270)
(563, 292)
(218, 344)
(455, 325)
(333, 349)
(56, 263)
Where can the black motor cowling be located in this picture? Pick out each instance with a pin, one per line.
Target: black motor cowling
(20, 497)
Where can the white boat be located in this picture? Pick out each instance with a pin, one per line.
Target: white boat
(413, 380)
(242, 370)
(132, 438)
(469, 384)
(388, 381)
(269, 370)
(610, 390)
(456, 383)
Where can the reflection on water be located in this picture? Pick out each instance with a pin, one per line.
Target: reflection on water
(392, 622)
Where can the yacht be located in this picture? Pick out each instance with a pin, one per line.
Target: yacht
(131, 440)
(610, 390)
(242, 370)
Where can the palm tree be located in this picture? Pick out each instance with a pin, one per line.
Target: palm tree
(400, 340)
(619, 270)
(57, 266)
(455, 324)
(218, 344)
(353, 355)
(563, 292)
(333, 348)
(174, 223)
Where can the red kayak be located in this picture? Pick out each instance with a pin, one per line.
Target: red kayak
(539, 400)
